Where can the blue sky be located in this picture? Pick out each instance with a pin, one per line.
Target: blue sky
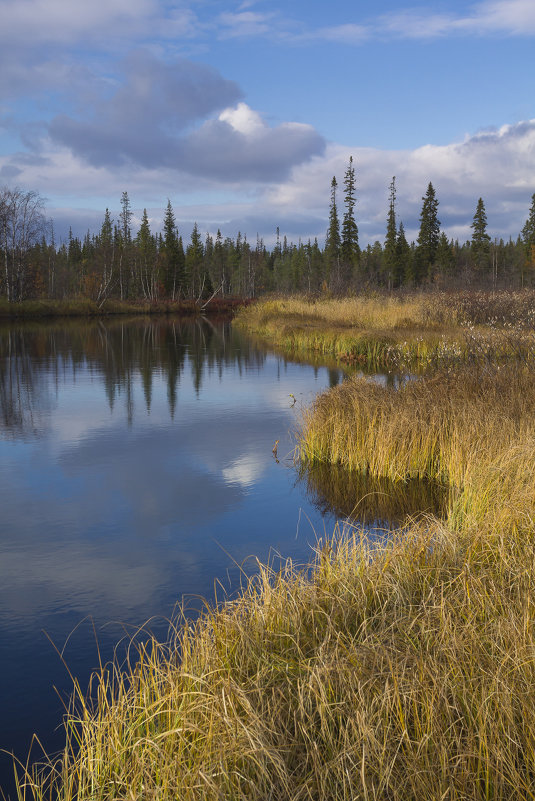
(241, 112)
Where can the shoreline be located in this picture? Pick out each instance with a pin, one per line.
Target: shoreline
(84, 308)
(402, 669)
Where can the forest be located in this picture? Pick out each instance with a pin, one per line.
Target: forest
(117, 263)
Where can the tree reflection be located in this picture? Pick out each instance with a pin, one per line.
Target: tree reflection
(35, 358)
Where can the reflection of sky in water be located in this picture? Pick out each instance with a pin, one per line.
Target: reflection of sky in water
(113, 507)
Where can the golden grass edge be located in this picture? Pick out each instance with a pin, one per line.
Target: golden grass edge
(400, 671)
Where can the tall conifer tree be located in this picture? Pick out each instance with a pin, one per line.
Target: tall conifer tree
(349, 248)
(480, 244)
(332, 240)
(528, 234)
(403, 258)
(390, 251)
(429, 235)
(173, 254)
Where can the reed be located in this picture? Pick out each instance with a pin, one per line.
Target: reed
(414, 331)
(398, 670)
(472, 429)
(402, 671)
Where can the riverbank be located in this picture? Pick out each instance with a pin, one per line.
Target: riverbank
(396, 670)
(412, 331)
(84, 307)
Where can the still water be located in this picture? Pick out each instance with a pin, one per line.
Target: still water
(136, 469)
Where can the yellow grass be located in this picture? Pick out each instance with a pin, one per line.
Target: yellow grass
(472, 429)
(412, 330)
(399, 671)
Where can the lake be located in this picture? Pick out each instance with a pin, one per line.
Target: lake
(136, 470)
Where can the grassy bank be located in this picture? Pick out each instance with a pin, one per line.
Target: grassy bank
(84, 307)
(400, 671)
(471, 429)
(415, 331)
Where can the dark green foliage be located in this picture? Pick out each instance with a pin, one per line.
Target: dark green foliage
(428, 237)
(390, 252)
(528, 231)
(195, 278)
(445, 257)
(115, 265)
(333, 241)
(528, 238)
(349, 247)
(480, 239)
(404, 258)
(173, 262)
(146, 261)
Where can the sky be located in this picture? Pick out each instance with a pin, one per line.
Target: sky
(240, 113)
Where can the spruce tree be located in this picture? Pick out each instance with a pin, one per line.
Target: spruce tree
(146, 252)
(445, 257)
(332, 240)
(429, 236)
(194, 263)
(480, 244)
(173, 255)
(124, 220)
(106, 248)
(528, 235)
(390, 251)
(349, 248)
(403, 258)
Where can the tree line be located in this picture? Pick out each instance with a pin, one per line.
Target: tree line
(116, 263)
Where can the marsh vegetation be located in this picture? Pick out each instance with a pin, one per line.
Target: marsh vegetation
(400, 669)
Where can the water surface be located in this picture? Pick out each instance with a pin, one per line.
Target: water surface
(136, 468)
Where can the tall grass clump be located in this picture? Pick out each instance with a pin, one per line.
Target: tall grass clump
(396, 670)
(402, 672)
(472, 429)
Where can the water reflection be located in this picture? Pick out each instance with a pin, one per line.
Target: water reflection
(136, 467)
(118, 351)
(374, 501)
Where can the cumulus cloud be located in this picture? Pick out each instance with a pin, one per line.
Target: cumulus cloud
(497, 165)
(239, 145)
(139, 122)
(150, 122)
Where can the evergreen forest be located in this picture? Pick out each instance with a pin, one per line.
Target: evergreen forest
(125, 265)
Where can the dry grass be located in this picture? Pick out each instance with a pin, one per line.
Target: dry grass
(405, 672)
(401, 671)
(472, 429)
(414, 331)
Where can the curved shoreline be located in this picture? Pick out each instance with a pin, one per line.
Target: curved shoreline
(396, 671)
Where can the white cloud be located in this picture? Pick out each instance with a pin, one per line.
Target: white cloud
(243, 119)
(498, 165)
(51, 21)
(511, 16)
(245, 471)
